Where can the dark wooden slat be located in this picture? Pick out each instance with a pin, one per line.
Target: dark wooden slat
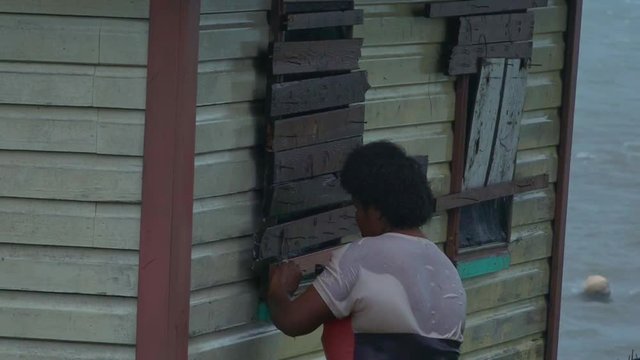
(316, 56)
(491, 192)
(282, 241)
(294, 197)
(324, 19)
(313, 160)
(474, 7)
(315, 262)
(291, 7)
(316, 94)
(466, 59)
(484, 29)
(317, 128)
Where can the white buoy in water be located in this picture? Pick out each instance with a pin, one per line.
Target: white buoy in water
(596, 287)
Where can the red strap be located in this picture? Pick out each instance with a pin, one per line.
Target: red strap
(338, 340)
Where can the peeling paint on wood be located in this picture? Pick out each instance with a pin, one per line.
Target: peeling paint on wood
(313, 160)
(316, 56)
(466, 59)
(293, 197)
(283, 241)
(475, 30)
(317, 94)
(318, 128)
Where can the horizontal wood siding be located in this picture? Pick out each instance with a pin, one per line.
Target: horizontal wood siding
(72, 101)
(411, 102)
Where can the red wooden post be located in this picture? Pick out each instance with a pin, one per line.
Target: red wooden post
(167, 185)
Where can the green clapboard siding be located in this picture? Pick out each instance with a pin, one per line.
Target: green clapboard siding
(472, 268)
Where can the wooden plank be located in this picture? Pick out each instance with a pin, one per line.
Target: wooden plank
(289, 239)
(461, 8)
(313, 160)
(466, 59)
(67, 317)
(316, 94)
(298, 57)
(312, 264)
(293, 197)
(291, 7)
(495, 326)
(483, 123)
(483, 266)
(503, 160)
(317, 128)
(485, 29)
(491, 192)
(324, 19)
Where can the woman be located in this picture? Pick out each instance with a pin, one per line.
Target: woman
(398, 295)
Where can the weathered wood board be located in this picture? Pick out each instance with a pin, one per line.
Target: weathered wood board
(475, 30)
(294, 197)
(491, 155)
(317, 94)
(312, 160)
(291, 7)
(324, 19)
(297, 57)
(473, 7)
(483, 123)
(286, 240)
(466, 59)
(503, 162)
(313, 263)
(491, 192)
(317, 128)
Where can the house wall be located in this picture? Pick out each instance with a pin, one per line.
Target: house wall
(412, 103)
(72, 100)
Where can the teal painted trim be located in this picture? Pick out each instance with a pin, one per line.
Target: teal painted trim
(263, 312)
(492, 264)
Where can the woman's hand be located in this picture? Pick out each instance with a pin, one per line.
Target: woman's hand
(284, 278)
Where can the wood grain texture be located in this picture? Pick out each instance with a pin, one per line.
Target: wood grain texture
(483, 123)
(491, 192)
(313, 160)
(475, 30)
(317, 94)
(289, 239)
(293, 197)
(466, 59)
(298, 57)
(503, 161)
(317, 128)
(461, 8)
(324, 19)
(291, 7)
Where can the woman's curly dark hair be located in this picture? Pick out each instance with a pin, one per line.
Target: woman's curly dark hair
(381, 175)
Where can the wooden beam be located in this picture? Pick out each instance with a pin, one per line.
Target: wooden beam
(324, 19)
(286, 240)
(475, 30)
(316, 56)
(304, 195)
(317, 128)
(313, 160)
(466, 59)
(474, 7)
(291, 7)
(317, 94)
(491, 192)
(162, 322)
